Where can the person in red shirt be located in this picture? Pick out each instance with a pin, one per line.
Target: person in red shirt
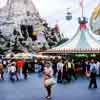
(19, 65)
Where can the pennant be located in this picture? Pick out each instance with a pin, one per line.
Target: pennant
(56, 28)
(81, 3)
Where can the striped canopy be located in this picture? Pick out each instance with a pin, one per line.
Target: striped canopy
(81, 42)
(24, 56)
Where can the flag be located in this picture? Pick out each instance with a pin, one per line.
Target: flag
(81, 3)
(56, 28)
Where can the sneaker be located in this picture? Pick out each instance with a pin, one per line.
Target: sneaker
(95, 87)
(49, 97)
(46, 97)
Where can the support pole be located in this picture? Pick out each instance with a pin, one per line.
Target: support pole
(82, 7)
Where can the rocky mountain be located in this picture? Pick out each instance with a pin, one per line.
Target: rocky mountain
(17, 13)
(21, 27)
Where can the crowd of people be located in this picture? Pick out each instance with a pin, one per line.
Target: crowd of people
(62, 70)
(67, 70)
(17, 69)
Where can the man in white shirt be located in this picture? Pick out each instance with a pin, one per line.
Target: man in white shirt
(59, 70)
(60, 66)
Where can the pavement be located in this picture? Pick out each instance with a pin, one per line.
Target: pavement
(32, 89)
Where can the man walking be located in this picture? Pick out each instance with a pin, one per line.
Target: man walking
(93, 75)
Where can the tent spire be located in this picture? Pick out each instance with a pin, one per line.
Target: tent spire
(82, 7)
(82, 20)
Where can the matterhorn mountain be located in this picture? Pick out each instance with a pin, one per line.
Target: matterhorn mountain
(21, 27)
(20, 12)
(18, 18)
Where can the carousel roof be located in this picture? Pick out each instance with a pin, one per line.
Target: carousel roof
(81, 42)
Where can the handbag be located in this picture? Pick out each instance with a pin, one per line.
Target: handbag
(87, 74)
(49, 82)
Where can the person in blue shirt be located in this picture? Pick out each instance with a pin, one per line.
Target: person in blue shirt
(93, 75)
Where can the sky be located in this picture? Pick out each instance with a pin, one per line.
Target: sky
(54, 11)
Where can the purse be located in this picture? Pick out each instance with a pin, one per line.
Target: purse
(87, 74)
(50, 82)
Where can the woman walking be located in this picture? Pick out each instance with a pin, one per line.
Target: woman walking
(48, 74)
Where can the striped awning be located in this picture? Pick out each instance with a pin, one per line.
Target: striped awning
(82, 42)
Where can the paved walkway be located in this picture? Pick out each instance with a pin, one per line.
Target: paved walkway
(32, 89)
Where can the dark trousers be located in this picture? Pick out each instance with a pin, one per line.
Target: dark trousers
(73, 74)
(59, 77)
(17, 76)
(55, 71)
(2, 76)
(12, 74)
(69, 74)
(48, 88)
(93, 82)
(25, 75)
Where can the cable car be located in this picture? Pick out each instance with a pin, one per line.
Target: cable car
(68, 15)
